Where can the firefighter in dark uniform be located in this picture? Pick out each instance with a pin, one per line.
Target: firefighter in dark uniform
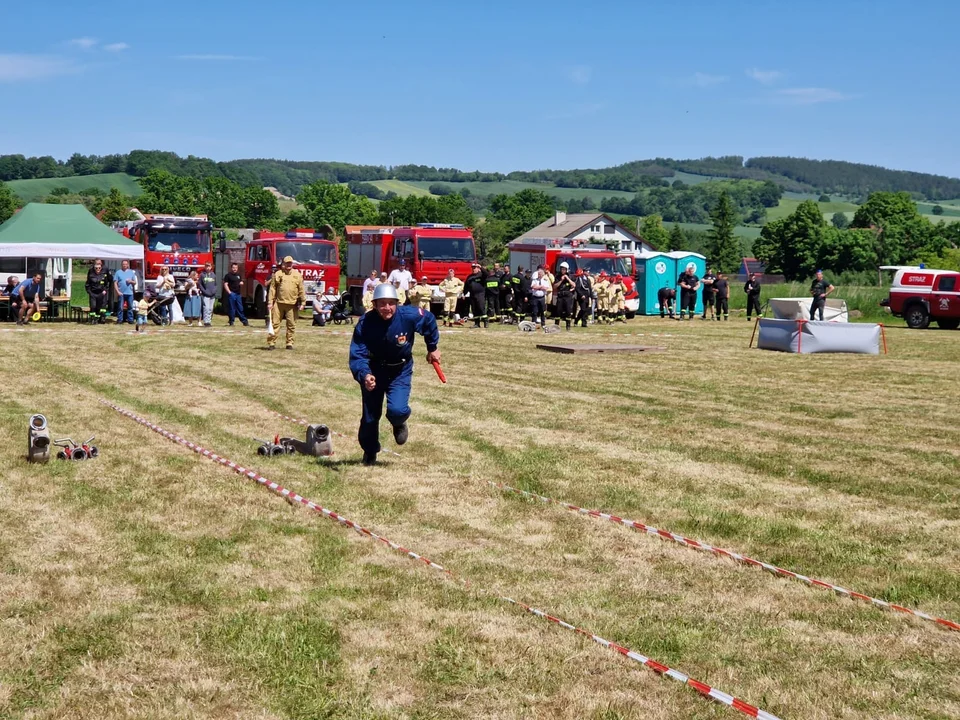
(493, 295)
(506, 294)
(709, 294)
(516, 283)
(563, 295)
(721, 287)
(583, 289)
(476, 285)
(98, 290)
(819, 288)
(752, 288)
(381, 361)
(665, 298)
(689, 284)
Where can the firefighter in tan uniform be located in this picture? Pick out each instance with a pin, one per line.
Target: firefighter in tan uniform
(602, 287)
(420, 294)
(618, 299)
(285, 297)
(451, 287)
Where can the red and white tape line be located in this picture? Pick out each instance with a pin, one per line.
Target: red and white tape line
(661, 669)
(706, 547)
(298, 421)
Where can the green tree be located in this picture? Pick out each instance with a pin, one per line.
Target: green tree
(839, 220)
(724, 246)
(768, 248)
(801, 240)
(938, 210)
(823, 198)
(678, 240)
(8, 202)
(116, 207)
(334, 205)
(652, 230)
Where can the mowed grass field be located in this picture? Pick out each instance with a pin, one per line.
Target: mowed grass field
(151, 582)
(30, 190)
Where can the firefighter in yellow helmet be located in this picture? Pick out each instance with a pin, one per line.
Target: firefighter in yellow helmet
(285, 297)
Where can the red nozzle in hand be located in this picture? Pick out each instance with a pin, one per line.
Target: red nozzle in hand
(436, 366)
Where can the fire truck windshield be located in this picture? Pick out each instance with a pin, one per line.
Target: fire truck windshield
(612, 265)
(435, 248)
(307, 253)
(187, 241)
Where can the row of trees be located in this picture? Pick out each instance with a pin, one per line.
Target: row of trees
(886, 230)
(857, 180)
(228, 204)
(694, 203)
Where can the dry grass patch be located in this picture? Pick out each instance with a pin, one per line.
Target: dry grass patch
(153, 582)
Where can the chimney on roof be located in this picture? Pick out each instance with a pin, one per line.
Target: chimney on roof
(559, 218)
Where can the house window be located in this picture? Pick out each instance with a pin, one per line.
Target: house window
(609, 229)
(595, 228)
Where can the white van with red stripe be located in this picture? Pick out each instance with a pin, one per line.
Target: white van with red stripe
(920, 295)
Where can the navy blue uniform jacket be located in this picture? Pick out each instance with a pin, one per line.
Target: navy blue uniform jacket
(378, 344)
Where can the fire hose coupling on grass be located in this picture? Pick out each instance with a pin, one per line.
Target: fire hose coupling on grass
(659, 668)
(317, 444)
(38, 439)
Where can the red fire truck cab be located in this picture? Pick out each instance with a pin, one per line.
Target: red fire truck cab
(592, 258)
(181, 243)
(920, 295)
(315, 255)
(428, 250)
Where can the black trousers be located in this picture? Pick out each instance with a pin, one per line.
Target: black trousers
(506, 301)
(518, 304)
(493, 304)
(817, 304)
(666, 305)
(478, 305)
(538, 307)
(722, 306)
(753, 304)
(98, 304)
(564, 302)
(583, 309)
(688, 301)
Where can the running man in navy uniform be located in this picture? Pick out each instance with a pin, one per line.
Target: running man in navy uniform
(381, 360)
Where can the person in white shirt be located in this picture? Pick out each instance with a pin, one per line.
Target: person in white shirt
(401, 277)
(371, 282)
(538, 297)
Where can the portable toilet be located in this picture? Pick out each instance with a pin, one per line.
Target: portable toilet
(655, 270)
(682, 258)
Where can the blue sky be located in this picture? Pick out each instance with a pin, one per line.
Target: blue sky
(501, 86)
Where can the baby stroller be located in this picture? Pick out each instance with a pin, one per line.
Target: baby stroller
(341, 311)
(154, 313)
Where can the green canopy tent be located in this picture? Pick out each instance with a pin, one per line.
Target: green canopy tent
(63, 231)
(47, 238)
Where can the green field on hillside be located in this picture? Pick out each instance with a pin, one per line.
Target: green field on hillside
(29, 190)
(510, 187)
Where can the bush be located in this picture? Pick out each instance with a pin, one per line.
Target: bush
(823, 198)
(938, 210)
(441, 189)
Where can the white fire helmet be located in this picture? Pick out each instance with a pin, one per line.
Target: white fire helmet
(564, 266)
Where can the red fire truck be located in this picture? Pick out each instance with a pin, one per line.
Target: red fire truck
(590, 257)
(920, 295)
(429, 249)
(314, 254)
(181, 243)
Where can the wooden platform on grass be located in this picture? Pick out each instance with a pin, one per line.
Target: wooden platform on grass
(584, 349)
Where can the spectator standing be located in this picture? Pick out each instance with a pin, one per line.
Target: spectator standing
(191, 304)
(401, 278)
(721, 292)
(284, 299)
(208, 293)
(538, 298)
(752, 288)
(233, 286)
(165, 289)
(819, 288)
(370, 283)
(98, 291)
(124, 285)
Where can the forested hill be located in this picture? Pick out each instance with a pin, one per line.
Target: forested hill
(856, 180)
(792, 174)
